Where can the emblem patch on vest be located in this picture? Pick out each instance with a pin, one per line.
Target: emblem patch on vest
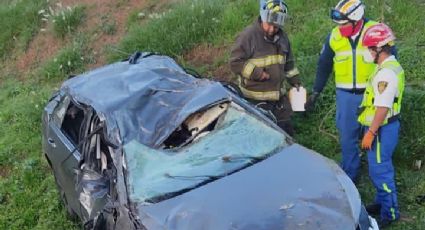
(382, 85)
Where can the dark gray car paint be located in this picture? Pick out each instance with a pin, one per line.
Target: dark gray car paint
(294, 189)
(58, 149)
(147, 100)
(263, 196)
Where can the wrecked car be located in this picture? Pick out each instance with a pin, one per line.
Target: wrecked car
(143, 144)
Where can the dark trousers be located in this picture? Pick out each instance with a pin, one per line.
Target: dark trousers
(281, 110)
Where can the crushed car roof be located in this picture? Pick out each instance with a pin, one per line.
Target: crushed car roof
(146, 100)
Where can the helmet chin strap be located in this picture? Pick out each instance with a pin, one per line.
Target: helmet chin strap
(353, 27)
(378, 52)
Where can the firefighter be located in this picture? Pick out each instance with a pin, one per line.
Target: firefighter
(262, 58)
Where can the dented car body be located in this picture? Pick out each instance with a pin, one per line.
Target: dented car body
(142, 144)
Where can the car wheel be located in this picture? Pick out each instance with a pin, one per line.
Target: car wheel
(71, 213)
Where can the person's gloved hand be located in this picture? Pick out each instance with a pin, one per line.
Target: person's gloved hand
(311, 101)
(295, 82)
(368, 139)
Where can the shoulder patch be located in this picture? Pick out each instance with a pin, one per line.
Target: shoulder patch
(382, 85)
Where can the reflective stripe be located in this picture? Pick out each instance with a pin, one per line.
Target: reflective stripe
(345, 7)
(378, 153)
(369, 117)
(268, 60)
(362, 52)
(392, 213)
(385, 186)
(292, 73)
(343, 53)
(248, 69)
(260, 96)
(388, 190)
(350, 86)
(261, 62)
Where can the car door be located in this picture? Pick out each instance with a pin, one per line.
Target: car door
(61, 148)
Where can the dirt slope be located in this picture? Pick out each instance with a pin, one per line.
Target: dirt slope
(45, 45)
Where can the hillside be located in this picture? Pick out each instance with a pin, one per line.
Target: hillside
(42, 42)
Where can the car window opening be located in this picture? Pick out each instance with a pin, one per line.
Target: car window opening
(196, 126)
(72, 122)
(95, 150)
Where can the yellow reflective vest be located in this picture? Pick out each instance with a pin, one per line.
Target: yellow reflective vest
(367, 107)
(351, 71)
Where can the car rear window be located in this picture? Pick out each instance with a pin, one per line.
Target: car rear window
(236, 140)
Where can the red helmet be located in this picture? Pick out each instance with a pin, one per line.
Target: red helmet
(378, 35)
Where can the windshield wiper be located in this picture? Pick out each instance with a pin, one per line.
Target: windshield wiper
(211, 177)
(254, 159)
(169, 195)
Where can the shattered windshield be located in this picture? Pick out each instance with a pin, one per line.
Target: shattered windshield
(236, 140)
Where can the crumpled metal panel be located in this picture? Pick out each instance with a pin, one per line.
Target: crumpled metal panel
(146, 101)
(92, 189)
(294, 189)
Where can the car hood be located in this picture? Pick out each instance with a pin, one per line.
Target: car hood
(293, 189)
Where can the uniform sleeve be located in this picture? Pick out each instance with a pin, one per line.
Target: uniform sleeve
(324, 66)
(385, 88)
(290, 70)
(239, 56)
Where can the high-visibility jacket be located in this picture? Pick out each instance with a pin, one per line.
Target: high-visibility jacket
(367, 107)
(351, 71)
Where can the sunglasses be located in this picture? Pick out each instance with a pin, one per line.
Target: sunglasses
(338, 16)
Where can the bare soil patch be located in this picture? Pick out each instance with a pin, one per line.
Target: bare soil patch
(213, 58)
(5, 171)
(45, 45)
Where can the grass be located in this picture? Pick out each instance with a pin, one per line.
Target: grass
(69, 60)
(66, 20)
(108, 26)
(19, 22)
(188, 24)
(28, 197)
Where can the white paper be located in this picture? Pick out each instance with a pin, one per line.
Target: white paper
(298, 98)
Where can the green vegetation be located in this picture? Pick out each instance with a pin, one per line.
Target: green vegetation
(19, 22)
(69, 60)
(187, 24)
(67, 20)
(108, 26)
(28, 197)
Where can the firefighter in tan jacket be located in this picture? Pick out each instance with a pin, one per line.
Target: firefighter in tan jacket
(263, 59)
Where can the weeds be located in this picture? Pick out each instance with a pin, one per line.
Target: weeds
(19, 21)
(187, 24)
(69, 60)
(65, 20)
(108, 26)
